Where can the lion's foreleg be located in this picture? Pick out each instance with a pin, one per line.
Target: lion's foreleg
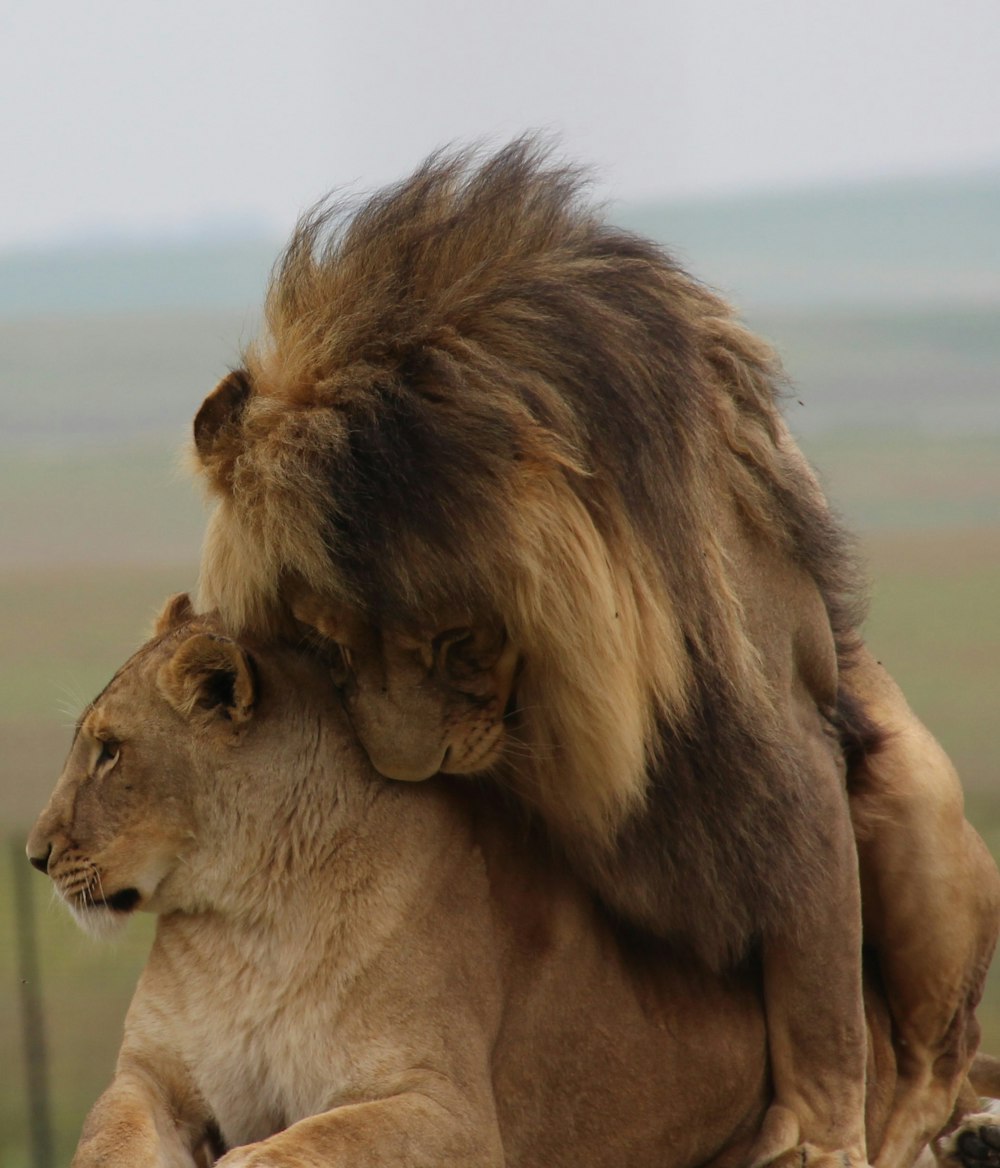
(813, 996)
(132, 1126)
(410, 1128)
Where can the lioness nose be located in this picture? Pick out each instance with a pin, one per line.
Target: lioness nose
(40, 860)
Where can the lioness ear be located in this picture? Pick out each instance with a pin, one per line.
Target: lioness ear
(210, 673)
(176, 612)
(216, 423)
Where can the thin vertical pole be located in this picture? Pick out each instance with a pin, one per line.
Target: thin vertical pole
(33, 1021)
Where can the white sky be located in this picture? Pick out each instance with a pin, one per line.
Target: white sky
(141, 117)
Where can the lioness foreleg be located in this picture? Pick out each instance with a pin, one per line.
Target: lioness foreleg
(132, 1125)
(413, 1127)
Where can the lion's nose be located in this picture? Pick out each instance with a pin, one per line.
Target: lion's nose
(40, 860)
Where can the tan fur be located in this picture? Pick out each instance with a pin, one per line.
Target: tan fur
(349, 971)
(478, 408)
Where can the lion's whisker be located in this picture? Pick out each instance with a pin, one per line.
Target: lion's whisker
(532, 750)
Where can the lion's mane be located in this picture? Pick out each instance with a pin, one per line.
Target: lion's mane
(474, 394)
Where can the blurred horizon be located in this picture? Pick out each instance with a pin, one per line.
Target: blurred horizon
(242, 225)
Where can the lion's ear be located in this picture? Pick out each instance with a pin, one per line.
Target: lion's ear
(176, 612)
(212, 674)
(216, 425)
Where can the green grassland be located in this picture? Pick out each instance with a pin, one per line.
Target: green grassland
(102, 535)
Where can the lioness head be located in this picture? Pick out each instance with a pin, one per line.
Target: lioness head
(421, 701)
(144, 787)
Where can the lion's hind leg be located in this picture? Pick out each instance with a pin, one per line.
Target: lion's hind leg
(930, 896)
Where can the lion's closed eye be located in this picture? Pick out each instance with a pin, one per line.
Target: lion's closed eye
(465, 653)
(451, 646)
(341, 663)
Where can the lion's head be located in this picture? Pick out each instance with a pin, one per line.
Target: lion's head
(532, 479)
(158, 770)
(421, 700)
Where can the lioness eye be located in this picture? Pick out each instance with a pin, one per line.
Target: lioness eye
(109, 752)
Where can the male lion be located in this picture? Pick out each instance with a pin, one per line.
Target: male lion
(352, 971)
(532, 479)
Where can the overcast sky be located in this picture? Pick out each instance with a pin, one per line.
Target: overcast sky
(139, 117)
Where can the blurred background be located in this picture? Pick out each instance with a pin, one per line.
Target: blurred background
(832, 167)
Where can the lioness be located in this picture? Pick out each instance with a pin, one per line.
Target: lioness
(352, 971)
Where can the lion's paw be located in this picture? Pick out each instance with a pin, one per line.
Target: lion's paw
(809, 1156)
(975, 1143)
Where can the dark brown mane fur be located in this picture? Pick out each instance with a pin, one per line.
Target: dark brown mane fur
(474, 394)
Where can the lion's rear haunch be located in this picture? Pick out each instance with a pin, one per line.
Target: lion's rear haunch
(475, 396)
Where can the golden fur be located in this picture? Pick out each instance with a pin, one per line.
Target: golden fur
(532, 479)
(348, 970)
